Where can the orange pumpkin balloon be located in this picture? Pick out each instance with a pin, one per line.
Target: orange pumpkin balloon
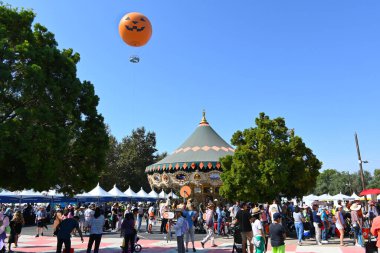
(135, 29)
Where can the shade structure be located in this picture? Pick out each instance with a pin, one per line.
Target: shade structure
(57, 196)
(172, 194)
(324, 197)
(117, 193)
(310, 197)
(142, 195)
(8, 197)
(153, 194)
(356, 197)
(32, 196)
(96, 194)
(163, 195)
(375, 191)
(130, 193)
(341, 196)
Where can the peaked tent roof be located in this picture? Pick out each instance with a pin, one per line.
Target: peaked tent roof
(142, 195)
(163, 195)
(96, 193)
(116, 192)
(153, 194)
(341, 196)
(130, 193)
(203, 145)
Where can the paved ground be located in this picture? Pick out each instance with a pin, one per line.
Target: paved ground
(155, 243)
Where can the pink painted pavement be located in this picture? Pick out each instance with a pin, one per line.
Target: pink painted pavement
(29, 243)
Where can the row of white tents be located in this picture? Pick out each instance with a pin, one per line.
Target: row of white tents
(97, 194)
(327, 197)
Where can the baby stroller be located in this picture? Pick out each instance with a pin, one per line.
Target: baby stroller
(137, 247)
(306, 231)
(238, 240)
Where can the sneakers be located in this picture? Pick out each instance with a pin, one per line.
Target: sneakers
(42, 234)
(203, 244)
(319, 243)
(358, 245)
(324, 241)
(299, 243)
(37, 235)
(214, 245)
(194, 250)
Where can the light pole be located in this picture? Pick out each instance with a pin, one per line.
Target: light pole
(360, 165)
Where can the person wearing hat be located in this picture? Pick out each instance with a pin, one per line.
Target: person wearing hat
(210, 226)
(179, 230)
(357, 223)
(258, 231)
(243, 218)
(277, 234)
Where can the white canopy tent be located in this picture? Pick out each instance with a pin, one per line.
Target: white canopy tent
(325, 197)
(173, 195)
(341, 196)
(163, 195)
(117, 193)
(356, 197)
(142, 195)
(32, 196)
(98, 193)
(153, 194)
(130, 193)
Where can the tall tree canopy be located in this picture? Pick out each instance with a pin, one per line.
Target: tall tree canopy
(333, 182)
(50, 131)
(127, 160)
(269, 160)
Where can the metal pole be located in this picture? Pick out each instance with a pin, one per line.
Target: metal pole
(360, 167)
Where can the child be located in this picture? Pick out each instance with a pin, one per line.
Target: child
(179, 231)
(277, 234)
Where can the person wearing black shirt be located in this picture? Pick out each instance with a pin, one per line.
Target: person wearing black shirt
(317, 223)
(243, 219)
(64, 233)
(277, 234)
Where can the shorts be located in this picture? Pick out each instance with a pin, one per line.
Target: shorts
(279, 249)
(40, 224)
(339, 226)
(247, 236)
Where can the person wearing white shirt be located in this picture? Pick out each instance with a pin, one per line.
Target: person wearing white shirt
(178, 231)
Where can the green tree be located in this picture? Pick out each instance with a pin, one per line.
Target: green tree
(375, 181)
(127, 160)
(269, 160)
(50, 131)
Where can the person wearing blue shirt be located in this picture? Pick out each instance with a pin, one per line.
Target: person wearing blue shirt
(324, 218)
(191, 215)
(219, 218)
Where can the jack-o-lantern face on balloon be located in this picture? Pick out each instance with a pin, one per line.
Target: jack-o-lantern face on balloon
(135, 29)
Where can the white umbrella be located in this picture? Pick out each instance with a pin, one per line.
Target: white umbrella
(117, 193)
(130, 193)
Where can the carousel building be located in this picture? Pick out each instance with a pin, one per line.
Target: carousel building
(195, 163)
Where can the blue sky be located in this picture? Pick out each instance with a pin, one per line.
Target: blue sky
(316, 63)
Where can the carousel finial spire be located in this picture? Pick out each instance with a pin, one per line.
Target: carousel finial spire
(203, 121)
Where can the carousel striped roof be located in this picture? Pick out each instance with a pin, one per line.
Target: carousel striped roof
(202, 148)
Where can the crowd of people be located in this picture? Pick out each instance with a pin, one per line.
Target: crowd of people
(256, 224)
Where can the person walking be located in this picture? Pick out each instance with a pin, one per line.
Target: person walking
(4, 222)
(258, 231)
(357, 223)
(243, 219)
(140, 217)
(298, 223)
(277, 234)
(191, 216)
(40, 221)
(179, 230)
(96, 230)
(210, 226)
(16, 226)
(64, 230)
(129, 231)
(317, 223)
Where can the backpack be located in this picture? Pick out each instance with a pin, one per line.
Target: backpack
(185, 226)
